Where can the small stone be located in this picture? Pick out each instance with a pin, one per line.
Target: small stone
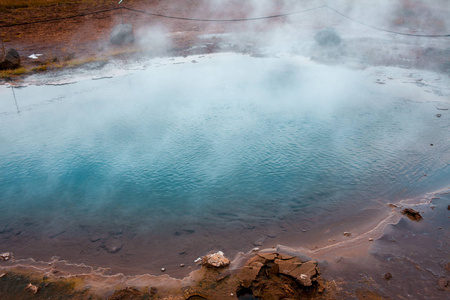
(32, 288)
(112, 245)
(443, 284)
(163, 269)
(370, 239)
(2, 275)
(431, 145)
(11, 60)
(217, 260)
(438, 115)
(122, 34)
(412, 214)
(256, 249)
(6, 256)
(259, 242)
(181, 265)
(198, 260)
(346, 233)
(327, 37)
(94, 239)
(387, 276)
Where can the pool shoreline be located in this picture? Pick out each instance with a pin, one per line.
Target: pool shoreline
(336, 261)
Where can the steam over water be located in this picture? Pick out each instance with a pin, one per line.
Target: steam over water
(220, 152)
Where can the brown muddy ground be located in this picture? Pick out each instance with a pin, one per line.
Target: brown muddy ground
(86, 38)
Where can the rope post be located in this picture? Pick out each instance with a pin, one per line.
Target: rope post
(3, 44)
(327, 17)
(121, 11)
(15, 100)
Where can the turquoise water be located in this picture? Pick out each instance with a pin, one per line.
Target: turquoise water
(222, 146)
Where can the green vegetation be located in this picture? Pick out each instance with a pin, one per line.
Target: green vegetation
(12, 73)
(68, 62)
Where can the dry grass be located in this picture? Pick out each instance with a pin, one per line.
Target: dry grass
(13, 73)
(55, 64)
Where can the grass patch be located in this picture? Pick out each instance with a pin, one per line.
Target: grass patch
(11, 73)
(67, 62)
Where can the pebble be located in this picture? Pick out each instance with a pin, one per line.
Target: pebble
(387, 276)
(346, 233)
(370, 239)
(181, 265)
(6, 256)
(163, 269)
(32, 288)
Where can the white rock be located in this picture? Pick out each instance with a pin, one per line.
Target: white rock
(198, 260)
(217, 260)
(6, 256)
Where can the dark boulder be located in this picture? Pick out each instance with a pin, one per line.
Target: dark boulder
(11, 60)
(327, 37)
(122, 34)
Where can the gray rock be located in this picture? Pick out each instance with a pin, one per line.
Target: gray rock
(112, 245)
(328, 37)
(11, 60)
(122, 34)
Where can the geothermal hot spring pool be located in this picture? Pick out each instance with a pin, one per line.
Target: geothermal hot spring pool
(157, 166)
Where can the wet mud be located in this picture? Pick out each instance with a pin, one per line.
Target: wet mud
(400, 258)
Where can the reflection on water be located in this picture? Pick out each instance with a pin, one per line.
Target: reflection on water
(196, 151)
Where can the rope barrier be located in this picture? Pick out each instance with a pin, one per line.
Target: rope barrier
(59, 19)
(231, 20)
(385, 30)
(224, 20)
